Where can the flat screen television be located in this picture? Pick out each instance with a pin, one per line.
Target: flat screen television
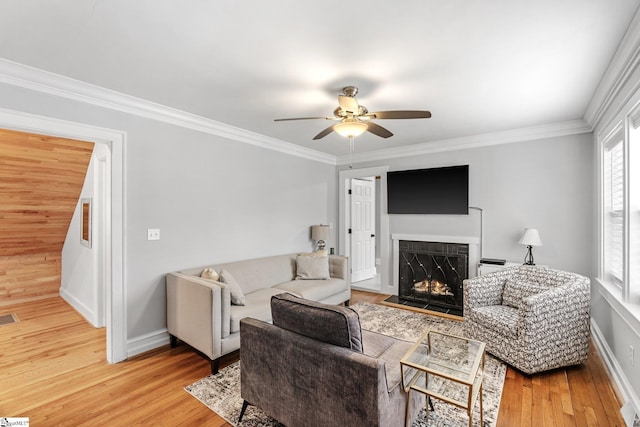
(429, 191)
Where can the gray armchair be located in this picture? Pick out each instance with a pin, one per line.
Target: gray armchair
(533, 318)
(315, 367)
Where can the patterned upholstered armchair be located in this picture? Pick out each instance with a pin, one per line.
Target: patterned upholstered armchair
(533, 318)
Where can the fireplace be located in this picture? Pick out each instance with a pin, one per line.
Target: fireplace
(430, 272)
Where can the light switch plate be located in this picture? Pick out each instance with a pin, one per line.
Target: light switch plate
(153, 234)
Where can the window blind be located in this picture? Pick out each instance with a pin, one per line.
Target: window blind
(614, 209)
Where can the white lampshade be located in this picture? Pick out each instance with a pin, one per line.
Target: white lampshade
(350, 127)
(320, 232)
(531, 237)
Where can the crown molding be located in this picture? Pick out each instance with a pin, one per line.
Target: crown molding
(624, 62)
(573, 127)
(28, 77)
(31, 78)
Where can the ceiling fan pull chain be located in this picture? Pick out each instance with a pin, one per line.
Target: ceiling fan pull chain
(351, 146)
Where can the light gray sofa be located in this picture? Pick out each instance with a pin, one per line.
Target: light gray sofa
(533, 318)
(315, 367)
(200, 312)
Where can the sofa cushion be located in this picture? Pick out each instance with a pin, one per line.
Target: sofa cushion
(389, 350)
(312, 267)
(516, 291)
(257, 306)
(318, 253)
(499, 318)
(331, 324)
(315, 290)
(260, 273)
(237, 296)
(375, 344)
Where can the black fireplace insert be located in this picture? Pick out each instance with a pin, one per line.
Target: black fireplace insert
(431, 275)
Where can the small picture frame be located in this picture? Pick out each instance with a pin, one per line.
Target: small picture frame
(85, 222)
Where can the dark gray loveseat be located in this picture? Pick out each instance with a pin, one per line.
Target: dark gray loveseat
(314, 366)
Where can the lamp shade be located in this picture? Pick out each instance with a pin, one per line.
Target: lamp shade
(531, 237)
(320, 232)
(350, 127)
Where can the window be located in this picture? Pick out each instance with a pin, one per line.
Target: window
(621, 207)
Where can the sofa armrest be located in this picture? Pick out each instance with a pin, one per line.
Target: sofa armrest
(339, 267)
(197, 311)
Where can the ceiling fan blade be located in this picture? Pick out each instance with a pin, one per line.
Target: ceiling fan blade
(378, 130)
(307, 118)
(401, 114)
(324, 133)
(348, 104)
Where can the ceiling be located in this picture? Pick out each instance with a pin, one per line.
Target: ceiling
(479, 66)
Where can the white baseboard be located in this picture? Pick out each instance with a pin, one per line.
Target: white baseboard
(620, 379)
(147, 342)
(79, 306)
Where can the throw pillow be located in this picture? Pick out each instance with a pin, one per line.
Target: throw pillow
(210, 273)
(318, 253)
(312, 268)
(332, 324)
(237, 296)
(515, 292)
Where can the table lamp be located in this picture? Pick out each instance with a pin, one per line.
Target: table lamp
(320, 233)
(530, 238)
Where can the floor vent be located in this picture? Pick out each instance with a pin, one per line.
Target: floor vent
(8, 319)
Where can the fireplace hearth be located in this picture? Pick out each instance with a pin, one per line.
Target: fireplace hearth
(431, 274)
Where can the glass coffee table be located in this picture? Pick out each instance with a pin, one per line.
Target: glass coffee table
(445, 367)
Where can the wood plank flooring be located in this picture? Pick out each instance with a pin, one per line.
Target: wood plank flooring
(53, 370)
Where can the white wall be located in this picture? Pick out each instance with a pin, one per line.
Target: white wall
(546, 184)
(214, 199)
(80, 270)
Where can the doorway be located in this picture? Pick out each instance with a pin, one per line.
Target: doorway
(114, 291)
(362, 228)
(85, 264)
(381, 282)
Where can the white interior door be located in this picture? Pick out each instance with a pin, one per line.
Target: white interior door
(363, 249)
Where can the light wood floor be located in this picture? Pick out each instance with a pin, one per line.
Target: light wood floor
(53, 370)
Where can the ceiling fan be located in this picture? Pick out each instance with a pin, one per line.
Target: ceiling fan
(354, 119)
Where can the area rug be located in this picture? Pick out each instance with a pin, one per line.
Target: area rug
(221, 393)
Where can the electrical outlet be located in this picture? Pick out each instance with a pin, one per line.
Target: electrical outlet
(153, 234)
(631, 355)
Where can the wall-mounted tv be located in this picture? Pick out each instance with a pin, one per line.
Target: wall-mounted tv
(429, 191)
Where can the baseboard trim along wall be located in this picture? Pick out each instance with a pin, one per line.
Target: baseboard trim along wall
(146, 342)
(79, 306)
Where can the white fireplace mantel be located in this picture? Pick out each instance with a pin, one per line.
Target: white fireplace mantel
(473, 242)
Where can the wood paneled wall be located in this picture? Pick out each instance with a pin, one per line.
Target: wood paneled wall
(29, 277)
(40, 182)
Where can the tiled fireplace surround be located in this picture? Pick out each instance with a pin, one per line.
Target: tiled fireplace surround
(428, 270)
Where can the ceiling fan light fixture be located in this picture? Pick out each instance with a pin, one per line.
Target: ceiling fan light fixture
(355, 119)
(350, 128)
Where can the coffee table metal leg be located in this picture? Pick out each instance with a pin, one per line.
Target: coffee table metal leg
(427, 405)
(481, 410)
(406, 415)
